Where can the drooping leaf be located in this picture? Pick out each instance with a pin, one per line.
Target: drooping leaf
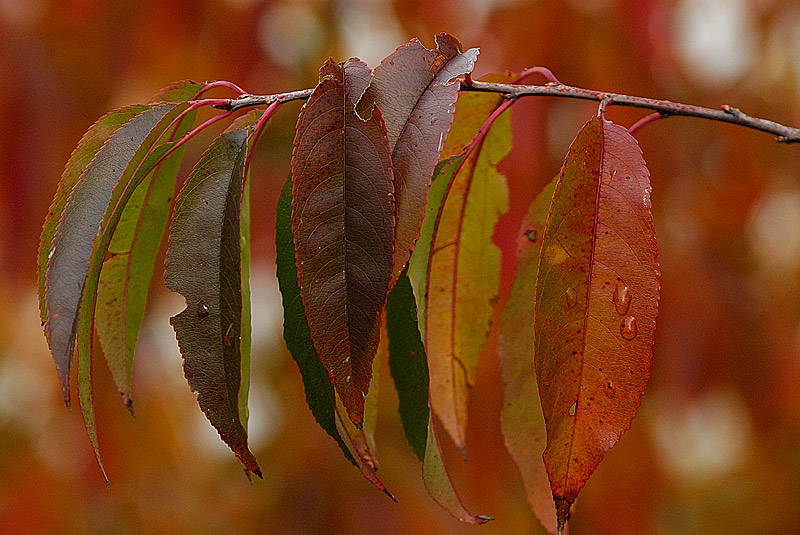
(70, 249)
(128, 268)
(319, 390)
(408, 364)
(342, 222)
(522, 418)
(596, 304)
(204, 265)
(461, 268)
(320, 395)
(416, 90)
(410, 373)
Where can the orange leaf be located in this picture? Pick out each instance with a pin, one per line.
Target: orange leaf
(596, 304)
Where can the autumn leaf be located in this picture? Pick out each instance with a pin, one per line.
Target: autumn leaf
(409, 370)
(455, 271)
(522, 418)
(204, 265)
(319, 390)
(69, 251)
(416, 90)
(343, 224)
(128, 269)
(596, 304)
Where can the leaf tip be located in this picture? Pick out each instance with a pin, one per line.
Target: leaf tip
(484, 519)
(257, 472)
(562, 513)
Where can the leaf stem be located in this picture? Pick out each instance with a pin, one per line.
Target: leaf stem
(647, 119)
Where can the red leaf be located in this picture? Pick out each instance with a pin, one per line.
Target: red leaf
(343, 224)
(204, 265)
(596, 303)
(416, 90)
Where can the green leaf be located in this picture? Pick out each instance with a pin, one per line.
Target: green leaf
(342, 222)
(204, 265)
(596, 303)
(127, 271)
(70, 250)
(320, 395)
(522, 418)
(410, 373)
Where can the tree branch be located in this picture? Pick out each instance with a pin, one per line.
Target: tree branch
(727, 114)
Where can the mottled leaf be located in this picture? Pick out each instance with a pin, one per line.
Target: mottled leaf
(522, 418)
(596, 303)
(320, 395)
(204, 265)
(342, 222)
(410, 373)
(416, 90)
(71, 246)
(461, 274)
(128, 268)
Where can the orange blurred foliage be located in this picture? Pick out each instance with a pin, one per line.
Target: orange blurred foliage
(716, 445)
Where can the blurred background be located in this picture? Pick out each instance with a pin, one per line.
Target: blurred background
(716, 445)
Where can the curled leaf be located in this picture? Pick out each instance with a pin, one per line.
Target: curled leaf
(204, 265)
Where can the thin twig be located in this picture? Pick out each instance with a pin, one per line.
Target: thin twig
(727, 114)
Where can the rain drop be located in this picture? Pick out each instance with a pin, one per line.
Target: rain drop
(573, 408)
(202, 311)
(622, 299)
(347, 378)
(628, 328)
(572, 298)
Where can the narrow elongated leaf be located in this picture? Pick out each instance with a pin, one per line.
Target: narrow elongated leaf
(204, 265)
(128, 268)
(416, 90)
(319, 390)
(71, 247)
(462, 272)
(522, 418)
(596, 304)
(320, 395)
(342, 222)
(410, 373)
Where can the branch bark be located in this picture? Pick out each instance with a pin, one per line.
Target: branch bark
(666, 108)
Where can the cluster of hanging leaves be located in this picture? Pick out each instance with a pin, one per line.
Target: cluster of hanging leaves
(384, 229)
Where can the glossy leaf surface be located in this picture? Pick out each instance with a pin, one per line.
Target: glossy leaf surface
(343, 224)
(596, 304)
(416, 90)
(204, 265)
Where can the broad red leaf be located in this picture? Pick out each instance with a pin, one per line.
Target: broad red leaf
(596, 304)
(343, 224)
(455, 272)
(522, 418)
(416, 90)
(70, 249)
(204, 265)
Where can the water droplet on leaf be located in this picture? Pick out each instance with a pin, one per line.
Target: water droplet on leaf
(628, 328)
(202, 311)
(572, 298)
(622, 299)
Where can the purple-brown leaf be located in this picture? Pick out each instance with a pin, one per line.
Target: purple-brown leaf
(342, 222)
(204, 265)
(416, 90)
